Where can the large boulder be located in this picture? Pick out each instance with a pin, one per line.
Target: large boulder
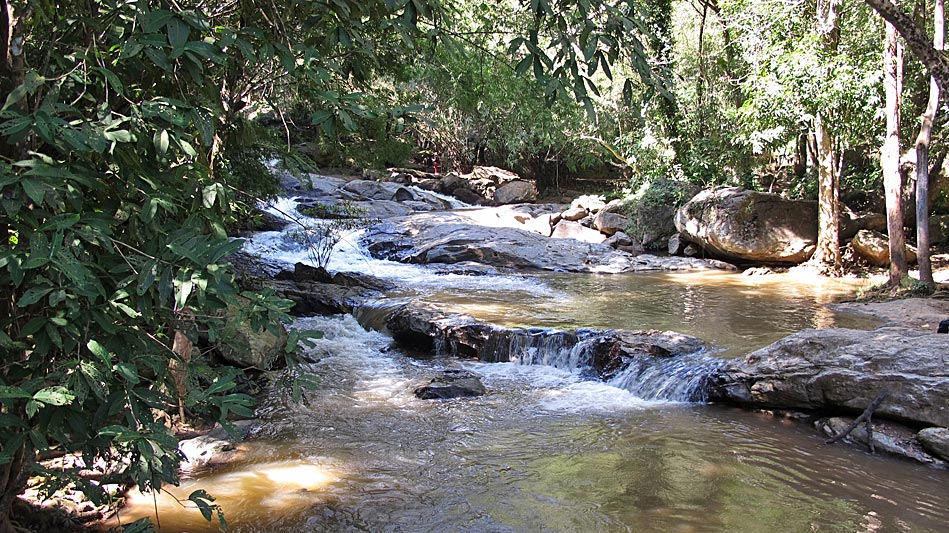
(845, 369)
(515, 192)
(609, 222)
(875, 248)
(738, 224)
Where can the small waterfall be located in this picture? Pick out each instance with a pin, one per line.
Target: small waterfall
(683, 378)
(652, 365)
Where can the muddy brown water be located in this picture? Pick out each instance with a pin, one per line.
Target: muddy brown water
(548, 450)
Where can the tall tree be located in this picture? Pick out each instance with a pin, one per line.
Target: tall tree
(922, 155)
(890, 156)
(828, 177)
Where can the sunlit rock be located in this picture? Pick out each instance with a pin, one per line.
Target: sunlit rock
(609, 222)
(737, 224)
(875, 248)
(845, 369)
(515, 192)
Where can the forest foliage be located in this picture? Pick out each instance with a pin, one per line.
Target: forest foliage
(134, 132)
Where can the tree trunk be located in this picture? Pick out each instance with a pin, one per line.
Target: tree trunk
(12, 483)
(922, 157)
(890, 158)
(827, 255)
(828, 216)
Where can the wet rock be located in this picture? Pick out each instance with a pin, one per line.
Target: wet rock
(935, 441)
(315, 185)
(874, 247)
(738, 224)
(888, 437)
(454, 383)
(845, 369)
(612, 350)
(468, 196)
(311, 299)
(609, 222)
(943, 326)
(515, 192)
(383, 209)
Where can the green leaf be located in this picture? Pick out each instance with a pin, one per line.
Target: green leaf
(35, 189)
(99, 351)
(160, 139)
(32, 295)
(178, 32)
(121, 136)
(54, 396)
(13, 393)
(128, 372)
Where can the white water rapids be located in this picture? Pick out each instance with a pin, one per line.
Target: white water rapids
(549, 448)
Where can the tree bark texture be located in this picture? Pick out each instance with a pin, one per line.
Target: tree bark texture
(827, 254)
(890, 158)
(922, 156)
(828, 215)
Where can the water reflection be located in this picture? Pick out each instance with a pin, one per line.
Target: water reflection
(543, 451)
(733, 312)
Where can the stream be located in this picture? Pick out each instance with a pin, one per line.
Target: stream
(547, 448)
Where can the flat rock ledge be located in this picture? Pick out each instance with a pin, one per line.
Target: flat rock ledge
(425, 328)
(452, 238)
(841, 371)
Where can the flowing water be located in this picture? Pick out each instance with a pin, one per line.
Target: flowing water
(548, 448)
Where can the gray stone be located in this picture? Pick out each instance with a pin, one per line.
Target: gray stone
(452, 383)
(376, 190)
(619, 239)
(383, 209)
(936, 441)
(217, 447)
(738, 224)
(875, 248)
(845, 369)
(515, 192)
(676, 244)
(888, 437)
(609, 222)
(574, 230)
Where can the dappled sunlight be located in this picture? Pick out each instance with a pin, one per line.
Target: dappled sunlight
(279, 488)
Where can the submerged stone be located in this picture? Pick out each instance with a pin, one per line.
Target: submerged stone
(452, 383)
